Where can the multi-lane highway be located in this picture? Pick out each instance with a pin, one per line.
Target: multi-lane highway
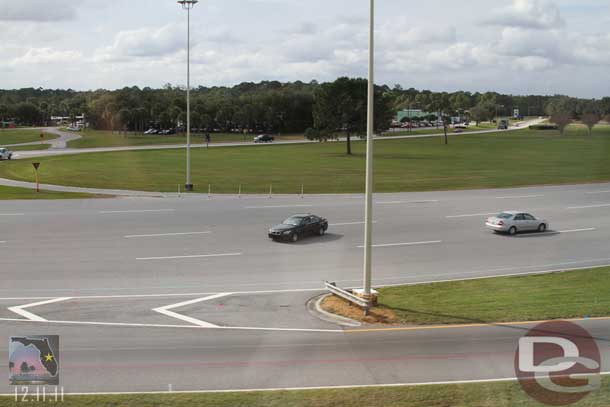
(189, 292)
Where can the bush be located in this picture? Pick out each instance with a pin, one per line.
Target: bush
(544, 127)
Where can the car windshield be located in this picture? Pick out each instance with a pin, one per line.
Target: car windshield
(505, 215)
(293, 220)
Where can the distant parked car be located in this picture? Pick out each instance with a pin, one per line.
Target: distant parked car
(298, 226)
(458, 130)
(5, 154)
(264, 138)
(151, 131)
(460, 126)
(513, 222)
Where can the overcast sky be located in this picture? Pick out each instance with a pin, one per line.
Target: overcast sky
(511, 46)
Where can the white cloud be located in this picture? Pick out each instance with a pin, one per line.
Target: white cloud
(532, 14)
(145, 42)
(36, 56)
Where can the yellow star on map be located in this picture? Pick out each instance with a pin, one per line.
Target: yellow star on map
(48, 357)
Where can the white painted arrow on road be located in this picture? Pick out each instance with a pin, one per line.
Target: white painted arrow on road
(166, 310)
(20, 310)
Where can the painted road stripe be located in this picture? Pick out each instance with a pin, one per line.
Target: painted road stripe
(278, 206)
(348, 223)
(20, 310)
(2, 241)
(283, 389)
(589, 206)
(471, 215)
(196, 256)
(168, 234)
(578, 230)
(405, 202)
(12, 214)
(405, 244)
(139, 211)
(166, 310)
(597, 192)
(520, 197)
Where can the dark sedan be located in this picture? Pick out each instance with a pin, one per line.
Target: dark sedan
(297, 227)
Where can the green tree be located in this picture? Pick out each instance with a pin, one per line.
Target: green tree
(341, 106)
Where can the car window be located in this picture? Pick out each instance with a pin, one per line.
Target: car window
(519, 217)
(505, 216)
(529, 217)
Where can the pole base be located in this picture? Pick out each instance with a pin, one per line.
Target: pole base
(372, 298)
(188, 187)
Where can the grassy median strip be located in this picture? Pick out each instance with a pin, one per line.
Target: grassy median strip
(498, 394)
(31, 147)
(17, 136)
(565, 295)
(7, 193)
(506, 159)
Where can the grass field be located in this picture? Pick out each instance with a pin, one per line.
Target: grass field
(7, 193)
(18, 136)
(505, 159)
(31, 148)
(573, 294)
(500, 394)
(102, 138)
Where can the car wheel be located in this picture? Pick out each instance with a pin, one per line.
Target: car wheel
(512, 231)
(295, 237)
(322, 231)
(542, 228)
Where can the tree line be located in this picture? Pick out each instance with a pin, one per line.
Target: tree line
(321, 110)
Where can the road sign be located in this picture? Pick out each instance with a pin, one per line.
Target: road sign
(36, 166)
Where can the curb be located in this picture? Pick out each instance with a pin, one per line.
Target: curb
(314, 308)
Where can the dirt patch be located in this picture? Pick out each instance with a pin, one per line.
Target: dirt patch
(339, 306)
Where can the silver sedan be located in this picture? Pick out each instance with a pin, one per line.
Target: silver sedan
(512, 222)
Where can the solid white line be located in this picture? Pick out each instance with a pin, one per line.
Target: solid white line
(405, 244)
(589, 206)
(348, 223)
(168, 234)
(405, 202)
(20, 310)
(277, 206)
(136, 325)
(139, 211)
(519, 197)
(597, 192)
(471, 215)
(578, 230)
(196, 256)
(12, 214)
(2, 241)
(279, 389)
(166, 310)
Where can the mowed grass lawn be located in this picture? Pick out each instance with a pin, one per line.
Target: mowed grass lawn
(505, 159)
(572, 294)
(102, 138)
(17, 136)
(501, 394)
(31, 147)
(7, 193)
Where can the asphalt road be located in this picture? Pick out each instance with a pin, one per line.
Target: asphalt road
(148, 292)
(59, 146)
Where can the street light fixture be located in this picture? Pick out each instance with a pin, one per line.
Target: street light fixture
(188, 5)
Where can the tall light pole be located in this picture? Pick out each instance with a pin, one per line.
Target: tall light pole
(368, 208)
(188, 5)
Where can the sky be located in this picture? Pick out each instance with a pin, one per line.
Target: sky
(508, 46)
